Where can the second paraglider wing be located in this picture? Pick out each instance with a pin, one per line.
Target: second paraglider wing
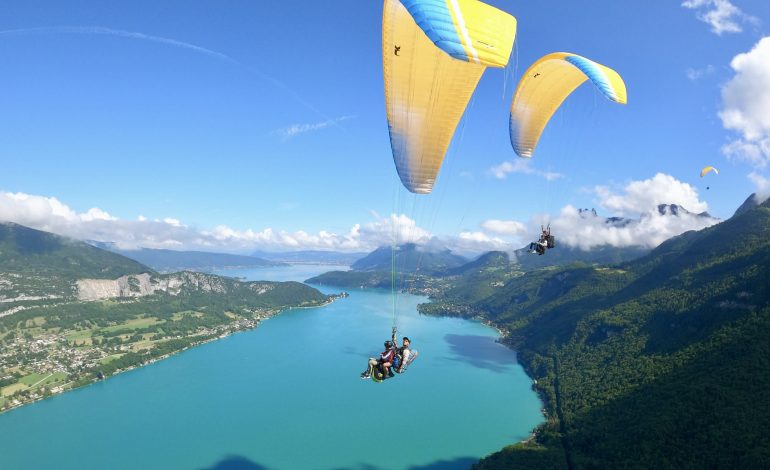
(543, 88)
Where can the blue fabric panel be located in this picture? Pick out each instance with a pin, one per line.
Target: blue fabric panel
(594, 73)
(435, 19)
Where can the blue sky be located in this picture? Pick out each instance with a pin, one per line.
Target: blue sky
(268, 118)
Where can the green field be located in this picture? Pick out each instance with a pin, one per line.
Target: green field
(133, 324)
(32, 378)
(79, 335)
(179, 315)
(11, 389)
(85, 336)
(36, 380)
(56, 378)
(108, 359)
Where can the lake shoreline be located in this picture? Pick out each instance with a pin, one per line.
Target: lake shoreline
(263, 377)
(266, 316)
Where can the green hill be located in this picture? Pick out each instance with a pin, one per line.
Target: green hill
(564, 255)
(661, 362)
(37, 265)
(409, 258)
(416, 270)
(750, 203)
(26, 250)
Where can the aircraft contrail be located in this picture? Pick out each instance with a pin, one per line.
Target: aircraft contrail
(99, 30)
(119, 33)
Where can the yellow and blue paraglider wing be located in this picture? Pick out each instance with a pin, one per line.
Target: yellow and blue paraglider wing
(708, 169)
(468, 30)
(426, 89)
(545, 86)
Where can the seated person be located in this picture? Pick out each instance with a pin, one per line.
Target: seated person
(404, 355)
(383, 362)
(538, 247)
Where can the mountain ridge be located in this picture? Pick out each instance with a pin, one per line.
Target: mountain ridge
(173, 260)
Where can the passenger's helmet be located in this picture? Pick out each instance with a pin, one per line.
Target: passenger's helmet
(388, 344)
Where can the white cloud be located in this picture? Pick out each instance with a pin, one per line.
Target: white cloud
(746, 105)
(172, 222)
(50, 214)
(296, 129)
(762, 184)
(504, 227)
(572, 228)
(641, 196)
(721, 15)
(639, 221)
(697, 74)
(586, 231)
(378, 233)
(524, 166)
(470, 243)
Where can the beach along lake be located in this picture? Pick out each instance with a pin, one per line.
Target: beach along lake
(287, 395)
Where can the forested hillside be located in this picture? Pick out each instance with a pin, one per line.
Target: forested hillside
(409, 258)
(26, 250)
(661, 362)
(41, 265)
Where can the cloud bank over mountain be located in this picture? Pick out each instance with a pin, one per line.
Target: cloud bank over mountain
(642, 213)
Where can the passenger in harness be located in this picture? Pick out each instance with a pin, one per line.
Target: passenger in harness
(384, 362)
(546, 241)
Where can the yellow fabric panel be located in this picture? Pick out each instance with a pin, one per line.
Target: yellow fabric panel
(542, 89)
(491, 31)
(618, 85)
(426, 93)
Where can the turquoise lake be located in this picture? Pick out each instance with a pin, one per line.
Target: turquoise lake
(287, 395)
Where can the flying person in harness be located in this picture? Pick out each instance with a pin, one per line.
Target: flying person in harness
(383, 362)
(404, 355)
(546, 241)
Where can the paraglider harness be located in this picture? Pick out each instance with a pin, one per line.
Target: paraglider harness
(546, 241)
(396, 363)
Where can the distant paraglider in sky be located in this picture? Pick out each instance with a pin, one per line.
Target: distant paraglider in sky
(707, 170)
(433, 55)
(543, 88)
